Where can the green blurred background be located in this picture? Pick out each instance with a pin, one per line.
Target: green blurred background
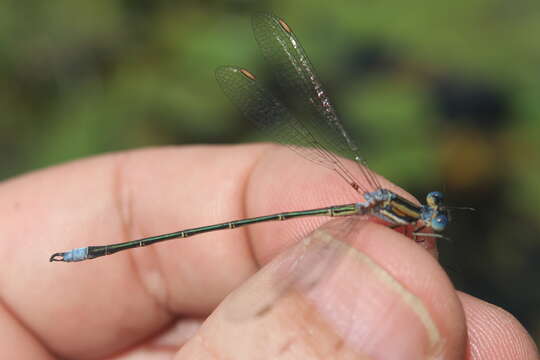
(439, 95)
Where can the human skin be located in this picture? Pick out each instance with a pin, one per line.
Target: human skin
(189, 298)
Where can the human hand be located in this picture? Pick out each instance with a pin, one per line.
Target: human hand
(388, 298)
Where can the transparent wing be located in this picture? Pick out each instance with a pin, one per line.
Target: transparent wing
(272, 117)
(296, 75)
(313, 137)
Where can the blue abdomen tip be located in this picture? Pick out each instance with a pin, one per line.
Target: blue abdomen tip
(78, 254)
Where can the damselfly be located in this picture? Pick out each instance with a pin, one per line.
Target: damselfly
(312, 138)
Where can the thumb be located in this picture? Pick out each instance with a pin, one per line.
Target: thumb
(326, 298)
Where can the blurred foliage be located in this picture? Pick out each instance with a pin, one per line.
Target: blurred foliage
(440, 95)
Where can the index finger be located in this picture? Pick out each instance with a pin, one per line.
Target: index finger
(114, 302)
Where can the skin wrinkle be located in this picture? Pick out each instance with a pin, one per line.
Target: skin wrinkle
(309, 318)
(245, 186)
(305, 328)
(122, 196)
(269, 147)
(13, 315)
(344, 232)
(206, 346)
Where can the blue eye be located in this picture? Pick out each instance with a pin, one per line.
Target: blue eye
(439, 222)
(434, 198)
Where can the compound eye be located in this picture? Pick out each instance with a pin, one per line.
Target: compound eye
(434, 198)
(439, 222)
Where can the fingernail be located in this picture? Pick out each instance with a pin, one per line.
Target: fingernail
(364, 304)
